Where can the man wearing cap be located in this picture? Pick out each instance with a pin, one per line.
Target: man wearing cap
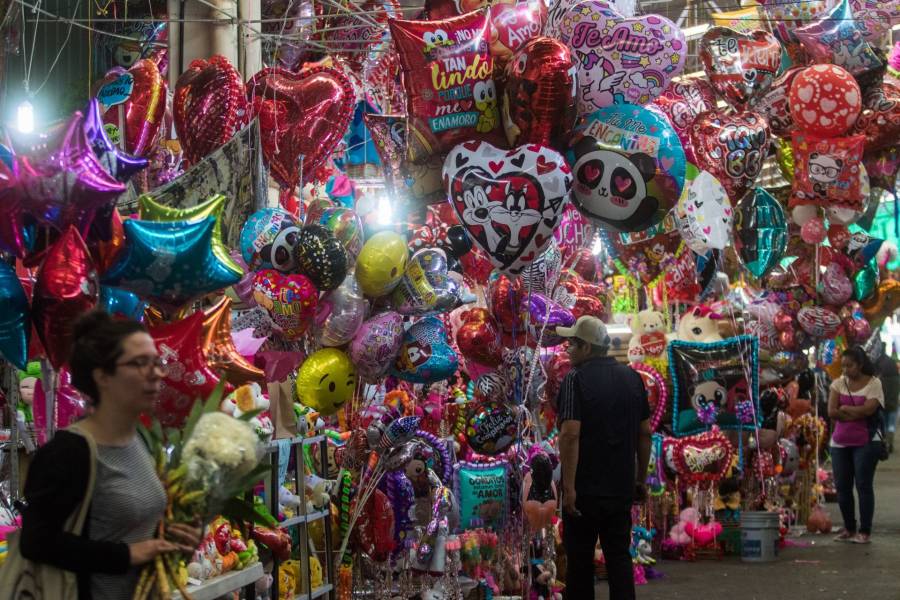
(604, 447)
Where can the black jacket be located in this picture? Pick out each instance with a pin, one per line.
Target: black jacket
(56, 484)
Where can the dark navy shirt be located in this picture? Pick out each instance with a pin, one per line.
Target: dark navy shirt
(610, 401)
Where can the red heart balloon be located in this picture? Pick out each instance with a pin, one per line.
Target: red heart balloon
(67, 285)
(300, 114)
(731, 147)
(479, 337)
(774, 105)
(703, 457)
(144, 109)
(682, 102)
(504, 299)
(879, 119)
(740, 66)
(210, 106)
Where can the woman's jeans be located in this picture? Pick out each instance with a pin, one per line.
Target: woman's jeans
(856, 466)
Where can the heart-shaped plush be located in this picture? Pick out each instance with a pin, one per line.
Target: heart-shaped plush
(682, 102)
(740, 66)
(478, 338)
(657, 392)
(621, 60)
(144, 109)
(209, 107)
(300, 114)
(704, 457)
(715, 138)
(508, 201)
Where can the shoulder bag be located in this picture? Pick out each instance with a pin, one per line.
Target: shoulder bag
(23, 579)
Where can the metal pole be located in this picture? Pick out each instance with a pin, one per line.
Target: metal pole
(48, 380)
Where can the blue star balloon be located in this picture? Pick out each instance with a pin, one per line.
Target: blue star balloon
(170, 263)
(121, 303)
(15, 322)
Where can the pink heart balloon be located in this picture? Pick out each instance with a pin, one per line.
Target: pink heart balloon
(681, 103)
(731, 147)
(621, 60)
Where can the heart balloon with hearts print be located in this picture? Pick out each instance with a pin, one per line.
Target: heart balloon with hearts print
(300, 114)
(508, 201)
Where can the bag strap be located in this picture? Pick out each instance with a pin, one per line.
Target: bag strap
(75, 524)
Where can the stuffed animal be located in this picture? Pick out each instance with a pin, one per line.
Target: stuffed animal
(288, 501)
(648, 336)
(318, 492)
(248, 398)
(703, 534)
(678, 533)
(699, 325)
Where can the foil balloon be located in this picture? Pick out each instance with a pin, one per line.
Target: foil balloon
(760, 232)
(425, 354)
(116, 162)
(290, 300)
(106, 247)
(704, 214)
(67, 286)
(882, 167)
(291, 25)
(836, 286)
(774, 105)
(879, 119)
(376, 344)
(374, 531)
(513, 26)
(70, 405)
(321, 257)
(491, 428)
(827, 171)
(426, 286)
(121, 304)
(786, 16)
(508, 201)
(539, 95)
(491, 386)
(209, 107)
(524, 379)
(478, 337)
(300, 114)
(681, 103)
(189, 376)
(268, 239)
(66, 184)
(340, 313)
(429, 54)
(837, 39)
(381, 263)
(219, 347)
(621, 60)
(744, 20)
(813, 231)
(883, 302)
(503, 298)
(825, 100)
(12, 233)
(629, 167)
(542, 275)
(731, 147)
(15, 318)
(170, 264)
(326, 381)
(143, 110)
(740, 66)
(818, 321)
(544, 316)
(389, 137)
(151, 210)
(865, 282)
(484, 492)
(574, 231)
(643, 255)
(345, 225)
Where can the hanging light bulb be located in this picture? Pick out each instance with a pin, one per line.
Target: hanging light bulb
(597, 248)
(25, 117)
(385, 211)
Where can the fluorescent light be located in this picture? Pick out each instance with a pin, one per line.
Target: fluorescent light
(25, 117)
(695, 31)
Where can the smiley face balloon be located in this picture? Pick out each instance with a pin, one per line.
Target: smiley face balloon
(326, 381)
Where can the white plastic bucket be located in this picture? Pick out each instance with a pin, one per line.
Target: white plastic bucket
(759, 536)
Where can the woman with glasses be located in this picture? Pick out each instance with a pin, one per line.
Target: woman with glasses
(115, 365)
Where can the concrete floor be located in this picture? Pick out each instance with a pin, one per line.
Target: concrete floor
(825, 570)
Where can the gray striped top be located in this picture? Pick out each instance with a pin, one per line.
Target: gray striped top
(128, 502)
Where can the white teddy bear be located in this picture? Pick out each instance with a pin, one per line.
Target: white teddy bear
(249, 398)
(648, 336)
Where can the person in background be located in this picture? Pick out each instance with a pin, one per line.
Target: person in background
(116, 365)
(889, 375)
(604, 442)
(853, 402)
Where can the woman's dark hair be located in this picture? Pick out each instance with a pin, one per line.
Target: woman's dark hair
(862, 359)
(97, 344)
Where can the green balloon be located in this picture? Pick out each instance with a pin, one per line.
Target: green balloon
(864, 282)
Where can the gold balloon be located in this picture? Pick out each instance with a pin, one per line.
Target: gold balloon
(883, 303)
(151, 210)
(744, 20)
(218, 346)
(784, 155)
(326, 380)
(381, 263)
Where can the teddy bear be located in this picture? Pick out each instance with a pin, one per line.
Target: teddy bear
(648, 336)
(318, 493)
(699, 325)
(249, 398)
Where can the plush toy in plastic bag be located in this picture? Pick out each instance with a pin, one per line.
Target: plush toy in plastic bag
(483, 494)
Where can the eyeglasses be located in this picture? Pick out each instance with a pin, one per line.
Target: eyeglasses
(146, 364)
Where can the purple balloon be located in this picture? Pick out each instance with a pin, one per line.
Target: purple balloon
(117, 163)
(545, 314)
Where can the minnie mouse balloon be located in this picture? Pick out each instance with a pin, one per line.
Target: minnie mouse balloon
(704, 214)
(509, 201)
(731, 147)
(825, 100)
(425, 355)
(629, 167)
(740, 66)
(448, 72)
(622, 60)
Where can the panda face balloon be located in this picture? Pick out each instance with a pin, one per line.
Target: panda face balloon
(268, 239)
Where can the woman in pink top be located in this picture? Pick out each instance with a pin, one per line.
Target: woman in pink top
(853, 402)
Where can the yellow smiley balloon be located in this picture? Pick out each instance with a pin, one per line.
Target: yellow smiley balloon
(326, 381)
(381, 263)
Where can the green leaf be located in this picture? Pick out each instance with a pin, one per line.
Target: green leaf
(247, 416)
(215, 398)
(196, 412)
(249, 480)
(238, 509)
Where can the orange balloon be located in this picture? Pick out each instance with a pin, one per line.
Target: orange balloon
(883, 303)
(106, 252)
(218, 346)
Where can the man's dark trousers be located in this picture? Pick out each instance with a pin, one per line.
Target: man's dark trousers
(608, 519)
